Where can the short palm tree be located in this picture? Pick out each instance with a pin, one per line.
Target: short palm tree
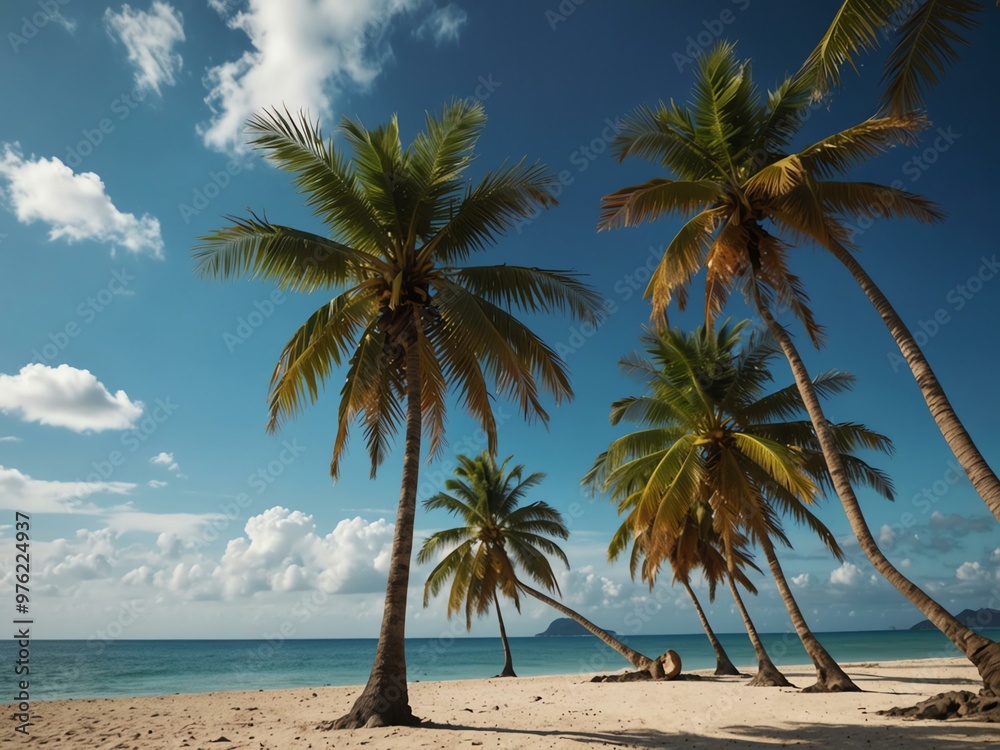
(497, 538)
(710, 434)
(926, 36)
(407, 320)
(736, 173)
(486, 496)
(694, 547)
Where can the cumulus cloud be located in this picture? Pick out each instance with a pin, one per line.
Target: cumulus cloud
(149, 39)
(75, 206)
(19, 491)
(848, 574)
(304, 53)
(156, 484)
(64, 396)
(886, 536)
(442, 25)
(802, 580)
(971, 571)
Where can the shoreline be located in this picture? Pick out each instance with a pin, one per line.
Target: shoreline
(558, 711)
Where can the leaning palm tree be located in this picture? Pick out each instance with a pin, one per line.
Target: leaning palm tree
(736, 173)
(709, 433)
(497, 538)
(486, 496)
(925, 33)
(406, 319)
(746, 173)
(694, 546)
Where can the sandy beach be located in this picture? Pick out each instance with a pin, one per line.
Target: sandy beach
(563, 711)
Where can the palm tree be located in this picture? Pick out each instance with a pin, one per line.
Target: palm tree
(709, 434)
(486, 497)
(731, 154)
(406, 320)
(498, 536)
(926, 35)
(694, 546)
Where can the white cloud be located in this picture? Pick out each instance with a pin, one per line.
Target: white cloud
(75, 206)
(610, 588)
(443, 25)
(181, 525)
(64, 396)
(303, 54)
(886, 536)
(150, 39)
(165, 459)
(848, 574)
(971, 571)
(20, 492)
(156, 484)
(802, 580)
(11, 439)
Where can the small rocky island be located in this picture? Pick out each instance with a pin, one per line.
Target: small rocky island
(971, 618)
(564, 626)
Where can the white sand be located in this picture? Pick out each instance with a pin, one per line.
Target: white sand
(563, 711)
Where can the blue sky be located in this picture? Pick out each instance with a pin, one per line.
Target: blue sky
(132, 394)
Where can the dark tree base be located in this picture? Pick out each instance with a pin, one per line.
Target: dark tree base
(769, 676)
(954, 705)
(833, 681)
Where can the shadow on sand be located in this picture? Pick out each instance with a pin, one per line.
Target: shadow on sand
(911, 735)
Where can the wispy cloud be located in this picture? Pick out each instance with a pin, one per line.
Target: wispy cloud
(150, 39)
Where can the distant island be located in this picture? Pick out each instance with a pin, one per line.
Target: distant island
(972, 618)
(564, 626)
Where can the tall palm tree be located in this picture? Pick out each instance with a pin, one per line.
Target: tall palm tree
(694, 546)
(926, 36)
(486, 497)
(736, 172)
(710, 434)
(498, 536)
(406, 319)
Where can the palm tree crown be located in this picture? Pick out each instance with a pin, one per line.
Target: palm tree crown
(740, 185)
(399, 220)
(498, 535)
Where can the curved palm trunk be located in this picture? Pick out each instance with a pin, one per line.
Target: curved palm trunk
(636, 659)
(767, 675)
(982, 476)
(385, 701)
(508, 662)
(723, 664)
(830, 678)
(982, 652)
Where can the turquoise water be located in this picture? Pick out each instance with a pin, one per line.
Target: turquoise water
(82, 669)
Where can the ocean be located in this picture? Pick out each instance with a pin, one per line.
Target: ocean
(97, 669)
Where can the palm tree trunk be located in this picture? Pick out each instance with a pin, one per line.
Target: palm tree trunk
(982, 652)
(830, 678)
(767, 675)
(723, 665)
(508, 663)
(636, 659)
(385, 701)
(982, 476)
